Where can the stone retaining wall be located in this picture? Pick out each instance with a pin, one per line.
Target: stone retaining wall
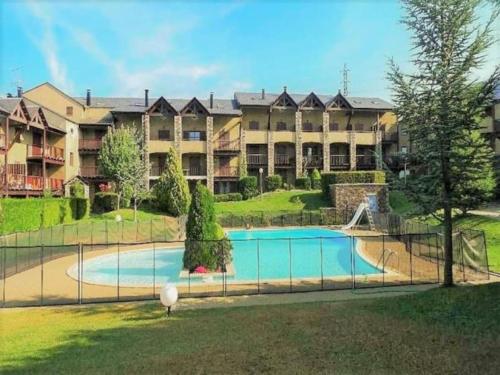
(349, 196)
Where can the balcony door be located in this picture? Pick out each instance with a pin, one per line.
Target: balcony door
(37, 139)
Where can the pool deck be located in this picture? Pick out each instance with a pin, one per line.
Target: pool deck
(24, 288)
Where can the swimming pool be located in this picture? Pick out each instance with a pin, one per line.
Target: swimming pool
(258, 254)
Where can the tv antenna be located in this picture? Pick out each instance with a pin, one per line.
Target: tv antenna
(345, 79)
(17, 76)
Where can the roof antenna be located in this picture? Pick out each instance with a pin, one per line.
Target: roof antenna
(345, 79)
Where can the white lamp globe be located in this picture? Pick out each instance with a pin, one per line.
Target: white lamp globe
(168, 295)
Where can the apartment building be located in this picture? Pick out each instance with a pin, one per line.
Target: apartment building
(282, 133)
(490, 128)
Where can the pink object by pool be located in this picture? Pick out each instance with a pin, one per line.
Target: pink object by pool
(200, 269)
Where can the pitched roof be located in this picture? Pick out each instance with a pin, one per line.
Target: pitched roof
(255, 99)
(54, 120)
(9, 104)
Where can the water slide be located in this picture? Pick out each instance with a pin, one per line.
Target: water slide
(357, 215)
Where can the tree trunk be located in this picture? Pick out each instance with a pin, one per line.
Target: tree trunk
(135, 209)
(448, 224)
(118, 203)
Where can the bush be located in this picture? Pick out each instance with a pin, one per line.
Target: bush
(350, 177)
(105, 202)
(273, 182)
(172, 190)
(303, 183)
(229, 197)
(77, 190)
(81, 208)
(315, 179)
(248, 187)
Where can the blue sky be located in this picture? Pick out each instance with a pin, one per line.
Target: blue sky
(185, 49)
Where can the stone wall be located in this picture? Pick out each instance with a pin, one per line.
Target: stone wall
(349, 196)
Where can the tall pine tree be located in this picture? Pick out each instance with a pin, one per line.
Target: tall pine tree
(440, 105)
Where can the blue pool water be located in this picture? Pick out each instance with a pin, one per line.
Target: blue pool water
(270, 254)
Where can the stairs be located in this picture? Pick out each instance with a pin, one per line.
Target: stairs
(369, 214)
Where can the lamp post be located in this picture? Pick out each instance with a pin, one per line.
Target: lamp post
(261, 171)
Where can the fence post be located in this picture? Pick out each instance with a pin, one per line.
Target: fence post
(383, 260)
(64, 226)
(118, 273)
(41, 275)
(353, 262)
(106, 231)
(411, 259)
(4, 274)
(437, 254)
(321, 259)
(154, 270)
(290, 263)
(460, 236)
(91, 233)
(80, 273)
(258, 266)
(486, 256)
(151, 230)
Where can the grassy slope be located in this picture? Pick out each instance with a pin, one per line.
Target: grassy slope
(435, 332)
(276, 201)
(491, 226)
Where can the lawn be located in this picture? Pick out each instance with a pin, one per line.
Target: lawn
(439, 331)
(294, 200)
(127, 214)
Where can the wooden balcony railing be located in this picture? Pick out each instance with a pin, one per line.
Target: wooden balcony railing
(35, 151)
(339, 160)
(90, 144)
(90, 171)
(2, 141)
(257, 159)
(226, 172)
(283, 159)
(51, 152)
(227, 145)
(195, 170)
(313, 160)
(55, 184)
(23, 182)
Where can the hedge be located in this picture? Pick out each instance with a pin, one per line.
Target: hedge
(20, 215)
(229, 197)
(315, 179)
(248, 187)
(351, 177)
(105, 201)
(273, 182)
(303, 183)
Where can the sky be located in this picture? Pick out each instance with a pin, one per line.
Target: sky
(192, 48)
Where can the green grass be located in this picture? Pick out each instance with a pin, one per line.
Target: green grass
(295, 200)
(441, 331)
(400, 204)
(127, 214)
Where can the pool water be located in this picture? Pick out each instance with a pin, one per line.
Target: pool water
(269, 254)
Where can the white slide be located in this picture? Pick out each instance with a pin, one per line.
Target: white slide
(357, 215)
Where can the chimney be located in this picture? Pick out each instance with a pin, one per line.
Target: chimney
(9, 95)
(146, 98)
(284, 88)
(89, 100)
(263, 94)
(19, 91)
(211, 100)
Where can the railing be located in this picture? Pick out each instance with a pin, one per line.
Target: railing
(54, 153)
(389, 136)
(90, 144)
(90, 171)
(35, 151)
(313, 160)
(283, 159)
(195, 171)
(2, 141)
(339, 160)
(257, 159)
(310, 128)
(226, 172)
(227, 145)
(23, 182)
(55, 184)
(365, 160)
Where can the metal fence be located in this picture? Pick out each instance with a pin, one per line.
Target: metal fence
(97, 232)
(84, 273)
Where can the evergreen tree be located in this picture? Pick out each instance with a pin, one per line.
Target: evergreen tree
(172, 190)
(440, 105)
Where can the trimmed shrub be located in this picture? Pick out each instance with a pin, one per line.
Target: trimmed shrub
(248, 187)
(51, 212)
(105, 202)
(229, 197)
(351, 177)
(77, 190)
(303, 183)
(81, 208)
(172, 190)
(273, 182)
(315, 179)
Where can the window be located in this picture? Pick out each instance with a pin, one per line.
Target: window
(69, 111)
(253, 125)
(334, 126)
(163, 135)
(71, 159)
(307, 127)
(281, 126)
(194, 136)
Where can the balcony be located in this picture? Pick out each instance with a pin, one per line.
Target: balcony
(52, 154)
(195, 171)
(90, 171)
(313, 160)
(389, 137)
(339, 161)
(55, 184)
(21, 182)
(2, 142)
(227, 146)
(89, 144)
(257, 159)
(284, 160)
(311, 128)
(226, 172)
(365, 161)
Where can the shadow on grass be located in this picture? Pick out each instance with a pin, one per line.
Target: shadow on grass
(313, 200)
